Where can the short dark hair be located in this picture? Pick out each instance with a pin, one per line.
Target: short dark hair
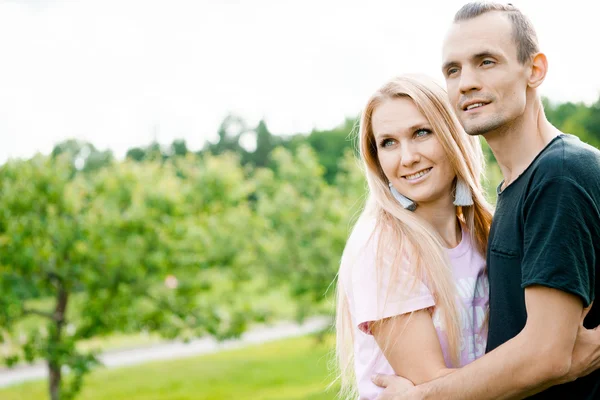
(523, 32)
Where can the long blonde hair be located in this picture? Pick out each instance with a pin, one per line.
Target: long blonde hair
(405, 232)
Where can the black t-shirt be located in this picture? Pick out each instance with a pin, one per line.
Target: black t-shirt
(546, 231)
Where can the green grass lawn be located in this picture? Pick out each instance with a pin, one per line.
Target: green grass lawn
(277, 303)
(291, 369)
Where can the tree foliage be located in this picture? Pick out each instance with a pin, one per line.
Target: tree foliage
(180, 242)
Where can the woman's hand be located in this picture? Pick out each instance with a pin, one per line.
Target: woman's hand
(586, 353)
(396, 388)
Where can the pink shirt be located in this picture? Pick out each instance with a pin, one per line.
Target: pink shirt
(370, 300)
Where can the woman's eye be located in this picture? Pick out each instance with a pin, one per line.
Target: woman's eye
(387, 142)
(422, 132)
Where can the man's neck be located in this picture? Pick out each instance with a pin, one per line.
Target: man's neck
(515, 146)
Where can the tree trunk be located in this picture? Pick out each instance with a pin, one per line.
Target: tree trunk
(55, 376)
(54, 367)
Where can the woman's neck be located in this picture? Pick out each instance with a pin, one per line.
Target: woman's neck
(443, 219)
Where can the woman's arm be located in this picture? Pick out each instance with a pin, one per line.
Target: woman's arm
(411, 346)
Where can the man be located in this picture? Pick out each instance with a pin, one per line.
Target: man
(544, 246)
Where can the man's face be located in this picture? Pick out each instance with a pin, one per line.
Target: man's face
(486, 83)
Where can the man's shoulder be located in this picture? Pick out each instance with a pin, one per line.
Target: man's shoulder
(567, 158)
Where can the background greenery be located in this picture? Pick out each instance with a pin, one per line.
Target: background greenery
(97, 253)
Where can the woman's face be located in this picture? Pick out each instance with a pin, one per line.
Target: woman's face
(410, 153)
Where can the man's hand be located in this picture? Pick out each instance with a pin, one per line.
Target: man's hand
(396, 388)
(586, 353)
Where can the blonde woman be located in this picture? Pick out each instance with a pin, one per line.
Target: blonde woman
(412, 288)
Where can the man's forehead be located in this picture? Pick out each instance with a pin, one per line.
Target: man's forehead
(472, 36)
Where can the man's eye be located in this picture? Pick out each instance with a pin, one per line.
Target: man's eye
(488, 62)
(452, 71)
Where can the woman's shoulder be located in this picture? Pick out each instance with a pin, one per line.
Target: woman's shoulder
(369, 237)
(365, 226)
(364, 236)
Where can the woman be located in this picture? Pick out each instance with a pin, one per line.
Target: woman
(412, 289)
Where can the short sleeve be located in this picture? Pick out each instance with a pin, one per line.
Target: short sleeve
(386, 291)
(560, 222)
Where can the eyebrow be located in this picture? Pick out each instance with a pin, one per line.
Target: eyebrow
(413, 128)
(484, 54)
(448, 65)
(478, 56)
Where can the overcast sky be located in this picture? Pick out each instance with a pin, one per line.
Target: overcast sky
(118, 72)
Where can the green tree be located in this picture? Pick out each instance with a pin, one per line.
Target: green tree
(136, 154)
(577, 119)
(231, 129)
(592, 123)
(110, 239)
(83, 155)
(178, 148)
(330, 146)
(265, 142)
(307, 223)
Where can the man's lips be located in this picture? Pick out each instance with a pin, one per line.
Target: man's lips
(474, 104)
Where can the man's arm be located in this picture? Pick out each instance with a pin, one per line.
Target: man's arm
(537, 358)
(560, 229)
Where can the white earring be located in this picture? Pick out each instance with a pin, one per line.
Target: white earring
(462, 194)
(403, 200)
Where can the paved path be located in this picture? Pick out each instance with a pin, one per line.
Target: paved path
(171, 350)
